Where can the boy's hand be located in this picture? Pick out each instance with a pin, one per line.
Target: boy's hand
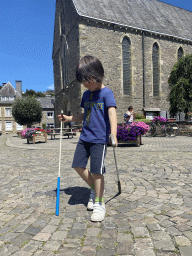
(63, 118)
(113, 140)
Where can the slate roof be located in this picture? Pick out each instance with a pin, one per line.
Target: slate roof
(146, 15)
(46, 102)
(8, 91)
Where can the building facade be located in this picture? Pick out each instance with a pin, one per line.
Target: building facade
(8, 94)
(47, 104)
(138, 43)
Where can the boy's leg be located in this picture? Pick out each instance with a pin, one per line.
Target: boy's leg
(85, 175)
(97, 168)
(99, 185)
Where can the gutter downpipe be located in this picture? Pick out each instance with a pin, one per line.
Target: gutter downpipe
(143, 58)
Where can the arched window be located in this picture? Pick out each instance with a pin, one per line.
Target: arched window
(126, 51)
(180, 52)
(155, 60)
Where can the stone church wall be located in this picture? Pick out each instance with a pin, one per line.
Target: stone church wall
(105, 42)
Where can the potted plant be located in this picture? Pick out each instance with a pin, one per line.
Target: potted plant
(131, 133)
(34, 134)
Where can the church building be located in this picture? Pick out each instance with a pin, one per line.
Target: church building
(137, 41)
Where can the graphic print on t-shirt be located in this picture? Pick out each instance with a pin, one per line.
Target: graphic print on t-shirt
(89, 105)
(88, 115)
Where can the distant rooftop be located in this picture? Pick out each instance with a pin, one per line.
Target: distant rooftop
(46, 102)
(8, 91)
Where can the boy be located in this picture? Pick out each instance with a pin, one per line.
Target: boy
(99, 114)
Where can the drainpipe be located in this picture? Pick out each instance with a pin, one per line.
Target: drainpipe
(143, 59)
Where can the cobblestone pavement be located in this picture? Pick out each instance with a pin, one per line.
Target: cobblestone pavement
(152, 216)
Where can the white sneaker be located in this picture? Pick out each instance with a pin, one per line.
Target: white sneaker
(91, 200)
(98, 212)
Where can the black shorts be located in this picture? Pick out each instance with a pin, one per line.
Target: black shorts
(96, 152)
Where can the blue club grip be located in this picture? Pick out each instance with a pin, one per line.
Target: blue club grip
(58, 195)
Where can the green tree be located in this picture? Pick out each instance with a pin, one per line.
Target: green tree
(180, 82)
(27, 111)
(30, 93)
(40, 94)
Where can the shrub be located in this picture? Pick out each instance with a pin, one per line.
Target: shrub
(139, 116)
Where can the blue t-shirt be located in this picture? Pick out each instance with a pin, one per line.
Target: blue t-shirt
(96, 119)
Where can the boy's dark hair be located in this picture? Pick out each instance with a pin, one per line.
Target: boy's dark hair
(130, 108)
(89, 68)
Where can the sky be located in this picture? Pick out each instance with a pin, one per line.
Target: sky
(26, 41)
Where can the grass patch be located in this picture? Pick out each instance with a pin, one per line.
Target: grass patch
(24, 243)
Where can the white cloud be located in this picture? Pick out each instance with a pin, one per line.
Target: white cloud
(51, 87)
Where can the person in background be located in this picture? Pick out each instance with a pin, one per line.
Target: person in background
(128, 116)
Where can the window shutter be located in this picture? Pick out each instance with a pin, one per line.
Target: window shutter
(155, 60)
(126, 49)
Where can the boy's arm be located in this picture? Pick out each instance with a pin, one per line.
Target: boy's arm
(113, 122)
(77, 118)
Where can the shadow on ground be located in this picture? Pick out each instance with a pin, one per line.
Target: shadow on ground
(79, 195)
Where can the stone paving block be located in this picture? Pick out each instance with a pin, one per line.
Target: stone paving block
(140, 232)
(7, 217)
(173, 231)
(28, 221)
(42, 237)
(185, 251)
(66, 226)
(105, 252)
(167, 254)
(8, 237)
(59, 235)
(21, 239)
(165, 245)
(153, 227)
(44, 253)
(32, 230)
(188, 234)
(124, 237)
(4, 230)
(125, 248)
(182, 241)
(49, 229)
(8, 249)
(143, 244)
(166, 223)
(149, 252)
(66, 251)
(87, 251)
(52, 246)
(32, 246)
(20, 228)
(77, 225)
(183, 227)
(93, 231)
(108, 243)
(160, 235)
(40, 223)
(108, 234)
(22, 253)
(76, 233)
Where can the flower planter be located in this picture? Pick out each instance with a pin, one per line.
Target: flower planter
(37, 137)
(136, 141)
